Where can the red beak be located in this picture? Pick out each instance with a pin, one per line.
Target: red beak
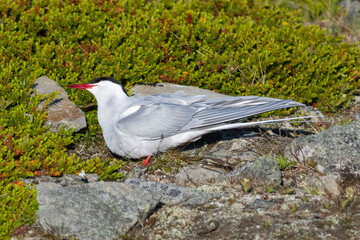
(82, 86)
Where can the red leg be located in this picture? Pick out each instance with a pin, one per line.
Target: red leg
(146, 161)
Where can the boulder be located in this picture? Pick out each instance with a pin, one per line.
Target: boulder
(61, 112)
(92, 211)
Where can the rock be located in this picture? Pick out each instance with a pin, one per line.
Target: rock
(331, 183)
(165, 88)
(332, 149)
(357, 99)
(199, 174)
(137, 172)
(328, 183)
(92, 211)
(311, 111)
(65, 180)
(263, 171)
(230, 145)
(173, 194)
(260, 203)
(317, 184)
(245, 217)
(207, 227)
(61, 111)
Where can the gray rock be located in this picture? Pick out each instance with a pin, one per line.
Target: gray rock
(263, 171)
(311, 111)
(330, 149)
(231, 145)
(165, 88)
(199, 174)
(248, 217)
(331, 183)
(61, 111)
(65, 180)
(137, 172)
(92, 211)
(172, 194)
(324, 184)
(260, 203)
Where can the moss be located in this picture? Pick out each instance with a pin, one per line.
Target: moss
(17, 205)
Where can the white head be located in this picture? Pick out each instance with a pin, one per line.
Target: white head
(104, 89)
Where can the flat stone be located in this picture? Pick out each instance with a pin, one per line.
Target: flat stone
(327, 183)
(230, 145)
(173, 194)
(261, 203)
(101, 210)
(61, 111)
(248, 217)
(333, 150)
(199, 174)
(331, 183)
(263, 171)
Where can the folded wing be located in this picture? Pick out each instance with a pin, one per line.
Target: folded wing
(220, 111)
(156, 120)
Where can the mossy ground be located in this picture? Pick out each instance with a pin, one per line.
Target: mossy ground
(234, 47)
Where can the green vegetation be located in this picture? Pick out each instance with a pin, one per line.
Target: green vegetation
(28, 149)
(234, 47)
(284, 164)
(313, 191)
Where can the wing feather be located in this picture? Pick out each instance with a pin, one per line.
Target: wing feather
(217, 115)
(156, 120)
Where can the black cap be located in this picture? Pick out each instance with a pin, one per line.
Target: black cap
(110, 79)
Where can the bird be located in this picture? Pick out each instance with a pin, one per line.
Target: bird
(137, 127)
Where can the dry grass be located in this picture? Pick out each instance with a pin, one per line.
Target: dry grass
(337, 16)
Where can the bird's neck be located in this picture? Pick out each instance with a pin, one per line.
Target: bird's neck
(110, 107)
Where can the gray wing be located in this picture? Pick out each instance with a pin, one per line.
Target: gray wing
(173, 98)
(224, 110)
(156, 120)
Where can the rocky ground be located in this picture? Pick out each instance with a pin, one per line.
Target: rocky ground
(280, 181)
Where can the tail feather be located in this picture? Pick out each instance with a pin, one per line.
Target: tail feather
(219, 115)
(249, 124)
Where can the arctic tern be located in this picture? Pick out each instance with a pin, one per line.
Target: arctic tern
(136, 127)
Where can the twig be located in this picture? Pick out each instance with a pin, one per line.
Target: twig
(83, 49)
(200, 53)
